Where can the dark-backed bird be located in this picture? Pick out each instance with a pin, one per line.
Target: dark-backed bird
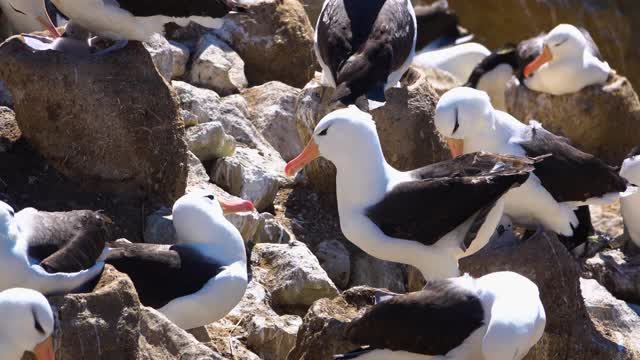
(16, 270)
(364, 47)
(201, 278)
(564, 180)
(630, 205)
(429, 217)
(496, 317)
(438, 27)
(27, 325)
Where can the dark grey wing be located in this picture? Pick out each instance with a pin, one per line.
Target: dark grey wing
(592, 44)
(507, 55)
(446, 194)
(569, 174)
(161, 273)
(396, 22)
(433, 321)
(334, 36)
(176, 8)
(80, 253)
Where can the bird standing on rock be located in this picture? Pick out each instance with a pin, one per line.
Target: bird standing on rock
(429, 217)
(16, 269)
(564, 180)
(496, 317)
(630, 205)
(201, 278)
(27, 324)
(364, 47)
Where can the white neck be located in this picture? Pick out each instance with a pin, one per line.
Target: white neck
(496, 136)
(10, 351)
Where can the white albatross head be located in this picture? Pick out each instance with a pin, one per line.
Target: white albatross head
(463, 113)
(341, 136)
(9, 230)
(27, 324)
(29, 15)
(563, 42)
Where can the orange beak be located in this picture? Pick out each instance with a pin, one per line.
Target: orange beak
(456, 147)
(236, 206)
(44, 350)
(48, 24)
(544, 58)
(307, 155)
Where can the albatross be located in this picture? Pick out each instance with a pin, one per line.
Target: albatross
(364, 47)
(429, 217)
(630, 205)
(564, 180)
(27, 16)
(496, 317)
(201, 278)
(27, 324)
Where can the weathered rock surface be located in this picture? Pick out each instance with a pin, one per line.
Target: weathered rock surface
(292, 274)
(5, 96)
(322, 333)
(616, 272)
(370, 271)
(336, 261)
(208, 141)
(181, 55)
(615, 319)
(217, 67)
(441, 81)
(161, 54)
(9, 130)
(569, 333)
(618, 44)
(273, 112)
(313, 8)
(275, 40)
(251, 175)
(116, 138)
(405, 126)
(120, 327)
(602, 120)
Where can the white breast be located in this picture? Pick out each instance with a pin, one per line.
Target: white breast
(569, 76)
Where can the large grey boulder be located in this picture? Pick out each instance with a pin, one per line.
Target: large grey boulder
(208, 141)
(91, 118)
(217, 67)
(617, 272)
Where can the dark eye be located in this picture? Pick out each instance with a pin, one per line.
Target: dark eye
(210, 197)
(323, 132)
(37, 323)
(457, 125)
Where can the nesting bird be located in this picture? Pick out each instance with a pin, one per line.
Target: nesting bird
(567, 64)
(496, 317)
(27, 16)
(201, 278)
(429, 217)
(565, 179)
(27, 324)
(16, 269)
(364, 47)
(459, 60)
(630, 205)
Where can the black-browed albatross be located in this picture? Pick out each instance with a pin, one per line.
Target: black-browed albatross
(364, 47)
(429, 217)
(630, 205)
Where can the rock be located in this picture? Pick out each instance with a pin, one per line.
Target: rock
(5, 96)
(292, 274)
(608, 219)
(615, 319)
(181, 55)
(9, 130)
(158, 228)
(231, 111)
(251, 175)
(322, 333)
(272, 232)
(600, 120)
(494, 26)
(441, 81)
(110, 323)
(217, 67)
(336, 261)
(275, 40)
(616, 272)
(87, 117)
(161, 54)
(273, 112)
(273, 338)
(405, 126)
(223, 340)
(569, 334)
(371, 271)
(208, 141)
(313, 9)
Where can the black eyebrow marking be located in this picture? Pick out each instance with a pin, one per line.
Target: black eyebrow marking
(561, 42)
(457, 125)
(16, 10)
(37, 325)
(324, 132)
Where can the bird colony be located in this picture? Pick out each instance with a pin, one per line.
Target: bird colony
(338, 179)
